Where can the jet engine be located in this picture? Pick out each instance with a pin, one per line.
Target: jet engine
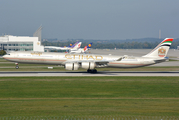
(71, 66)
(88, 65)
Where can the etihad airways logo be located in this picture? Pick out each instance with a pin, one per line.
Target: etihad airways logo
(38, 53)
(83, 57)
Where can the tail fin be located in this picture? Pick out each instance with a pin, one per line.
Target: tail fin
(76, 45)
(162, 49)
(70, 45)
(85, 49)
(89, 45)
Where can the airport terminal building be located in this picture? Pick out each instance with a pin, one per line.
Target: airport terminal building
(22, 43)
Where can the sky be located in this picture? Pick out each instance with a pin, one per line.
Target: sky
(90, 19)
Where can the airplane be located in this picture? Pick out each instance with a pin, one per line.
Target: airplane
(91, 61)
(81, 50)
(89, 46)
(73, 47)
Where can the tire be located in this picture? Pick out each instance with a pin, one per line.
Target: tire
(89, 71)
(92, 71)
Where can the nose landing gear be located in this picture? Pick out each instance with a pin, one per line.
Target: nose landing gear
(17, 67)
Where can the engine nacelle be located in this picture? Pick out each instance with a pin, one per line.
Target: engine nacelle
(71, 66)
(88, 65)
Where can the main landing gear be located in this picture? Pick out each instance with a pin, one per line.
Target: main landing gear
(92, 71)
(17, 67)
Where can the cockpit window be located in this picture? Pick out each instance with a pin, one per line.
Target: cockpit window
(7, 54)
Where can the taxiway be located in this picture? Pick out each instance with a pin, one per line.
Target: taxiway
(100, 73)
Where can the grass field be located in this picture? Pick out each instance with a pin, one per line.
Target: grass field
(89, 96)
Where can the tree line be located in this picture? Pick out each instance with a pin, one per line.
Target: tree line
(117, 45)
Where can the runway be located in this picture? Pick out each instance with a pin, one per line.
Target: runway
(100, 73)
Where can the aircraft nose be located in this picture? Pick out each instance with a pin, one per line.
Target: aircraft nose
(4, 56)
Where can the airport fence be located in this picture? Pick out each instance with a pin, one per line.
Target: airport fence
(93, 118)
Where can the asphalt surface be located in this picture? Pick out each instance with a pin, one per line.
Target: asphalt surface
(100, 73)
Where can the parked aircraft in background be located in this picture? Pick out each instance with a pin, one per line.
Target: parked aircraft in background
(76, 46)
(81, 50)
(92, 61)
(89, 46)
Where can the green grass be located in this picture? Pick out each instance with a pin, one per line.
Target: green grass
(89, 96)
(3, 60)
(73, 107)
(173, 60)
(89, 87)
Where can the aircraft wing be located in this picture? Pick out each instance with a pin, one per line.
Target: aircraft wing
(98, 62)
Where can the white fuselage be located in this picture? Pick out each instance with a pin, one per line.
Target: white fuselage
(62, 58)
(60, 48)
(74, 47)
(77, 51)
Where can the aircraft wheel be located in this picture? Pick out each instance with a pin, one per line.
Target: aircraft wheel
(92, 71)
(95, 71)
(89, 71)
(17, 67)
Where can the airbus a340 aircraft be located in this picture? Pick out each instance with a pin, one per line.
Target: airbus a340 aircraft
(72, 47)
(92, 61)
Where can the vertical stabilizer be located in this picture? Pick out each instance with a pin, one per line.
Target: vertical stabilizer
(85, 49)
(162, 49)
(70, 45)
(76, 45)
(89, 45)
